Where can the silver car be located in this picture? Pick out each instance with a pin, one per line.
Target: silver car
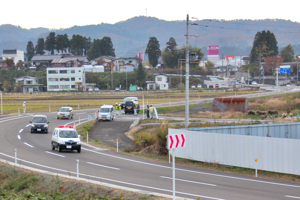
(65, 113)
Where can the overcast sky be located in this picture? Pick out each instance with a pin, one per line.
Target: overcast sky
(66, 13)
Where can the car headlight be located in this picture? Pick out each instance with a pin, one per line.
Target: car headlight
(46, 125)
(32, 125)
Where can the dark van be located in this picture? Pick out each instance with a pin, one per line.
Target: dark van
(129, 107)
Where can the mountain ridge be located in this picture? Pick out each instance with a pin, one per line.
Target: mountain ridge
(131, 36)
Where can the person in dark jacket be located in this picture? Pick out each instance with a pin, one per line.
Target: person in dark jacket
(148, 115)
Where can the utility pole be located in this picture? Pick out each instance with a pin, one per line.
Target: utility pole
(187, 71)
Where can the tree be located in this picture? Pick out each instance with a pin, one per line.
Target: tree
(264, 45)
(62, 43)
(40, 46)
(153, 51)
(20, 65)
(95, 51)
(170, 59)
(29, 50)
(209, 67)
(171, 45)
(50, 42)
(106, 47)
(141, 75)
(272, 63)
(10, 63)
(77, 44)
(288, 54)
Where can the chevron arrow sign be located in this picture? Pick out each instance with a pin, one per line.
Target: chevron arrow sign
(176, 141)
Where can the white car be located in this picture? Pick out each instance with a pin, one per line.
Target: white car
(199, 86)
(254, 83)
(90, 89)
(106, 112)
(65, 137)
(96, 89)
(193, 86)
(65, 112)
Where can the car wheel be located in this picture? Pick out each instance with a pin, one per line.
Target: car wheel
(79, 150)
(53, 148)
(72, 117)
(57, 117)
(59, 148)
(46, 131)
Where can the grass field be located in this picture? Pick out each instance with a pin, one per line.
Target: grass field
(12, 103)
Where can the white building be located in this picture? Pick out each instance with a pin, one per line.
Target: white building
(16, 55)
(160, 83)
(65, 78)
(29, 84)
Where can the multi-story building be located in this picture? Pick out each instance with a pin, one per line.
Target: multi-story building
(29, 84)
(66, 79)
(16, 55)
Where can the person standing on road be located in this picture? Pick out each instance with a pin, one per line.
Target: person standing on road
(116, 109)
(24, 107)
(148, 112)
(151, 110)
(134, 109)
(120, 109)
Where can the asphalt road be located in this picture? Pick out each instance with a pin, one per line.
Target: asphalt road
(139, 175)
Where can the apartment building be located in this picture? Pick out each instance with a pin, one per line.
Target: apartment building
(66, 79)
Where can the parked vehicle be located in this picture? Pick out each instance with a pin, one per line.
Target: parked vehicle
(134, 99)
(117, 89)
(129, 107)
(96, 89)
(199, 86)
(106, 112)
(254, 83)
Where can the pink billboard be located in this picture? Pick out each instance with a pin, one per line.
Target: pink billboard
(141, 56)
(213, 50)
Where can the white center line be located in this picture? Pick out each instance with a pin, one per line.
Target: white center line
(19, 137)
(20, 130)
(177, 179)
(103, 166)
(54, 154)
(293, 197)
(28, 145)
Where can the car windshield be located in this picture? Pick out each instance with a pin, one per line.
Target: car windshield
(104, 110)
(64, 110)
(39, 120)
(129, 103)
(68, 134)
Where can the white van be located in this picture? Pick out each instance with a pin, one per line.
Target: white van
(106, 112)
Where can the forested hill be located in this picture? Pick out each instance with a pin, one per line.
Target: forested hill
(129, 37)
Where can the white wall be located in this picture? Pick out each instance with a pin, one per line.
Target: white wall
(273, 154)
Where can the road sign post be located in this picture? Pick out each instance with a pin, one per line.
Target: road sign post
(174, 142)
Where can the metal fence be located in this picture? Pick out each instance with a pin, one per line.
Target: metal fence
(240, 146)
(284, 130)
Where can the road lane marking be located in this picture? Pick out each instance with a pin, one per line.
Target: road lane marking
(19, 137)
(28, 145)
(112, 180)
(103, 166)
(80, 113)
(55, 154)
(177, 179)
(293, 197)
(21, 131)
(28, 125)
(191, 171)
(14, 118)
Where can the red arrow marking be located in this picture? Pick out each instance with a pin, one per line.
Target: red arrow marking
(171, 138)
(183, 140)
(177, 140)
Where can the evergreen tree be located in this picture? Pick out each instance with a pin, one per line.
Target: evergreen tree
(171, 45)
(29, 50)
(141, 75)
(62, 43)
(264, 45)
(77, 44)
(106, 47)
(153, 51)
(50, 42)
(40, 46)
(288, 54)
